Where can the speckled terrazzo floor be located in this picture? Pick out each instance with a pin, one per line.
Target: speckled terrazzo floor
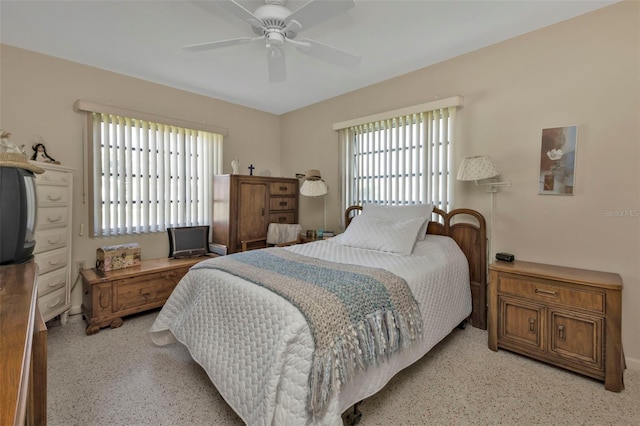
(119, 377)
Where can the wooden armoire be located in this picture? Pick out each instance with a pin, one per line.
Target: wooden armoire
(243, 207)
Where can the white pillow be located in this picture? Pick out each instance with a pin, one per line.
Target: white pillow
(396, 237)
(395, 213)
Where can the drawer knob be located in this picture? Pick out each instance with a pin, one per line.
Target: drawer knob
(546, 292)
(561, 333)
(54, 219)
(532, 325)
(53, 262)
(283, 188)
(52, 198)
(55, 303)
(55, 241)
(283, 203)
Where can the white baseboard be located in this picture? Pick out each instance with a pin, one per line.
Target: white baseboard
(633, 364)
(75, 310)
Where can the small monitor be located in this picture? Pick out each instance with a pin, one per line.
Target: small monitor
(188, 241)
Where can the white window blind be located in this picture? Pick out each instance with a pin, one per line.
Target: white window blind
(404, 159)
(147, 176)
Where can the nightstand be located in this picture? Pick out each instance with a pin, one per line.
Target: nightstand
(567, 317)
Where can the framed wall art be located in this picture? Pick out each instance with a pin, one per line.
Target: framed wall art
(558, 160)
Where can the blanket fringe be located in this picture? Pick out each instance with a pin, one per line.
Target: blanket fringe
(361, 346)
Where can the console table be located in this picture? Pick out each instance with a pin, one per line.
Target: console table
(109, 296)
(567, 317)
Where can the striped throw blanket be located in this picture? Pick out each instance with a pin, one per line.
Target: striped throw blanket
(358, 316)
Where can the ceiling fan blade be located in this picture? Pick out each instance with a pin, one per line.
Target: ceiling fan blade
(316, 11)
(327, 53)
(233, 8)
(218, 44)
(277, 65)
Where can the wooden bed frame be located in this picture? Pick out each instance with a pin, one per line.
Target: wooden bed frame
(472, 240)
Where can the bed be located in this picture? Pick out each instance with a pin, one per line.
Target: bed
(258, 347)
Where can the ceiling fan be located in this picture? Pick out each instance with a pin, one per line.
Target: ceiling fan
(274, 23)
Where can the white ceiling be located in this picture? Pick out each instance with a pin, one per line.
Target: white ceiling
(143, 39)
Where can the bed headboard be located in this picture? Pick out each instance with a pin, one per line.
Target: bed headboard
(471, 237)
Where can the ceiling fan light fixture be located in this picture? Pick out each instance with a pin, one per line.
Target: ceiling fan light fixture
(274, 39)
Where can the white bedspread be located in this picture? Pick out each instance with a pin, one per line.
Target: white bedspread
(257, 348)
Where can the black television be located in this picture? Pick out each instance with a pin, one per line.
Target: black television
(188, 241)
(17, 215)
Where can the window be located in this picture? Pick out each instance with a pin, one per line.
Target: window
(148, 175)
(399, 159)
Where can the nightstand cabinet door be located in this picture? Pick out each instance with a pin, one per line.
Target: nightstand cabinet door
(576, 338)
(521, 323)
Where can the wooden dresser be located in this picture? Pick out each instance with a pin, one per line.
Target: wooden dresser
(23, 348)
(243, 207)
(53, 240)
(567, 317)
(110, 296)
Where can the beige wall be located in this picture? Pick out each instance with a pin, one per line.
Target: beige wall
(581, 72)
(584, 72)
(37, 95)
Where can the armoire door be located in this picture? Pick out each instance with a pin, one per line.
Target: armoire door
(252, 206)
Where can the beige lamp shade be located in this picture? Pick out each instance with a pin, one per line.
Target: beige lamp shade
(477, 168)
(313, 185)
(313, 188)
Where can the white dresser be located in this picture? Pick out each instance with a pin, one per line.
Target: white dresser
(54, 189)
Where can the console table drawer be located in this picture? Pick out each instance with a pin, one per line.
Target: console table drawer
(147, 290)
(546, 291)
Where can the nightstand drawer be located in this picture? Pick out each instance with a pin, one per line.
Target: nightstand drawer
(282, 188)
(282, 203)
(547, 292)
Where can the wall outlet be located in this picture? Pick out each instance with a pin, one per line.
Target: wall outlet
(80, 265)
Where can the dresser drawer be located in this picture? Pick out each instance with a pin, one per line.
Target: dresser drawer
(52, 196)
(52, 260)
(282, 188)
(52, 217)
(282, 203)
(52, 281)
(281, 218)
(54, 177)
(50, 239)
(547, 292)
(52, 302)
